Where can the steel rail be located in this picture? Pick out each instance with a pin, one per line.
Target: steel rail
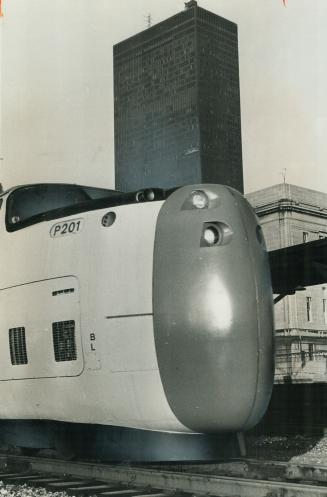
(169, 481)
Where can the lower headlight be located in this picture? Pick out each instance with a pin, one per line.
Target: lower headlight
(215, 233)
(211, 235)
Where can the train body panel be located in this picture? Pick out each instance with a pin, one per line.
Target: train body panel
(112, 373)
(129, 316)
(36, 306)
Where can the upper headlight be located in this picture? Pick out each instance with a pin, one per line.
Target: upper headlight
(199, 199)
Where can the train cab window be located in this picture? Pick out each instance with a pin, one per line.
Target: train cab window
(29, 204)
(30, 201)
(97, 193)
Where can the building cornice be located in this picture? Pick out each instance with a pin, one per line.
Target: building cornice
(287, 205)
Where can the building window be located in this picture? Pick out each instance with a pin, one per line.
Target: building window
(324, 315)
(309, 310)
(305, 236)
(311, 351)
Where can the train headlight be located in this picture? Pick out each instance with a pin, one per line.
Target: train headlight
(215, 234)
(147, 195)
(199, 199)
(211, 235)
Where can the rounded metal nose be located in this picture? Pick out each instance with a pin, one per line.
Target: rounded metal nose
(213, 319)
(208, 361)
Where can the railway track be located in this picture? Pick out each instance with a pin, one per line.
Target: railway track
(239, 478)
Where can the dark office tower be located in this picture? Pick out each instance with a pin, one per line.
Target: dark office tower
(177, 103)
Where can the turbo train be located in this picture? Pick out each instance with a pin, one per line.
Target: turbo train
(138, 325)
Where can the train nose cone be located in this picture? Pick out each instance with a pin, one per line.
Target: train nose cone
(213, 319)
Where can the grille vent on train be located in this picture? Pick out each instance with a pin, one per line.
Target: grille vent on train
(63, 291)
(17, 344)
(63, 334)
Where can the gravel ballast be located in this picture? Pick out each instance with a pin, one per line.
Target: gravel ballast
(25, 491)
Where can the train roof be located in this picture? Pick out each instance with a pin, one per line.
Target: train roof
(76, 185)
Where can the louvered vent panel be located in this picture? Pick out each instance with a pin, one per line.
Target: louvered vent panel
(64, 291)
(17, 344)
(63, 334)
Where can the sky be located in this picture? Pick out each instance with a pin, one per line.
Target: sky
(56, 87)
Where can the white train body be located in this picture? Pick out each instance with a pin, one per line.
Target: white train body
(77, 299)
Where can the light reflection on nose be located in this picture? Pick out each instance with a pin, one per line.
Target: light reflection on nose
(216, 308)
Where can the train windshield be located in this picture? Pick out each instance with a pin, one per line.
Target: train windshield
(30, 204)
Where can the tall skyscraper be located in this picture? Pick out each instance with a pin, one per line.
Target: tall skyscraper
(177, 103)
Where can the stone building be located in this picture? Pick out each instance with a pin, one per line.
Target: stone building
(290, 215)
(177, 103)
